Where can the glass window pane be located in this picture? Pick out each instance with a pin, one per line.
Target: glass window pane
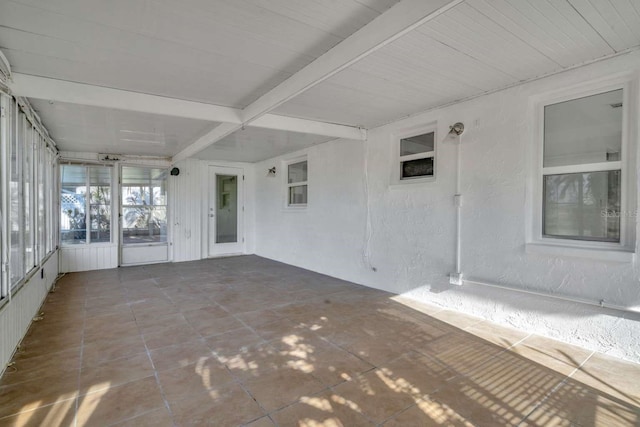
(417, 168)
(144, 186)
(297, 172)
(584, 130)
(41, 239)
(73, 227)
(100, 215)
(298, 195)
(28, 172)
(417, 144)
(144, 224)
(227, 209)
(584, 206)
(15, 208)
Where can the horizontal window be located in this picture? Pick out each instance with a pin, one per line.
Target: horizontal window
(416, 157)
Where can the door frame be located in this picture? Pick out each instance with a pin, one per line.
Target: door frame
(209, 191)
(120, 218)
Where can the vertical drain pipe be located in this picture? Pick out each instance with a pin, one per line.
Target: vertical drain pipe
(456, 278)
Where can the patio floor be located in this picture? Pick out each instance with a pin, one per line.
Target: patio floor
(249, 341)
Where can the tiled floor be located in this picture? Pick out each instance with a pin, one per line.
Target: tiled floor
(248, 341)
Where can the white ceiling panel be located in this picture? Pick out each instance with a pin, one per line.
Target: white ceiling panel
(476, 47)
(617, 21)
(256, 144)
(92, 129)
(222, 52)
(553, 28)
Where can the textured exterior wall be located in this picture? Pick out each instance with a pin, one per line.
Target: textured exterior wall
(411, 242)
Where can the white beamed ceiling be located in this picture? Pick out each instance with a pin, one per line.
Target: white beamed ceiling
(220, 52)
(83, 128)
(231, 52)
(476, 47)
(255, 144)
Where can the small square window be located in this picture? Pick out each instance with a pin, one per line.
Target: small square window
(297, 184)
(416, 157)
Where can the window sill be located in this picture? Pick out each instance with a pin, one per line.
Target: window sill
(64, 246)
(598, 254)
(301, 208)
(407, 183)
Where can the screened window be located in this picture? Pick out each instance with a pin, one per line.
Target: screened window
(582, 168)
(417, 154)
(26, 188)
(297, 183)
(85, 205)
(144, 205)
(16, 211)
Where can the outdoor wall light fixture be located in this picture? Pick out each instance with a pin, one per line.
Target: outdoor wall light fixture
(456, 129)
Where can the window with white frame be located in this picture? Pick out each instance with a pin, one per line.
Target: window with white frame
(30, 161)
(85, 205)
(584, 168)
(296, 183)
(417, 156)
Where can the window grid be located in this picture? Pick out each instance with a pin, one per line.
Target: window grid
(27, 163)
(297, 183)
(415, 155)
(577, 187)
(79, 198)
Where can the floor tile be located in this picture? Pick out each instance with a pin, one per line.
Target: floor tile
(32, 394)
(116, 404)
(611, 376)
(501, 392)
(229, 406)
(573, 403)
(562, 357)
(281, 387)
(101, 351)
(157, 418)
(497, 334)
(58, 414)
(454, 318)
(206, 374)
(234, 342)
(180, 355)
(376, 395)
(324, 409)
(66, 362)
(115, 372)
(207, 327)
(261, 422)
(170, 336)
(428, 414)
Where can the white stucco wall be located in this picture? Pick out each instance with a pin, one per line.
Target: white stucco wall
(411, 243)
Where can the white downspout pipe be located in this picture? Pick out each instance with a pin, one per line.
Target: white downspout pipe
(456, 277)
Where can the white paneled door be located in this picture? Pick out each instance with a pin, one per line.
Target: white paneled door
(225, 211)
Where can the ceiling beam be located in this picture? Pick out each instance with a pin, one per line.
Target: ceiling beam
(98, 96)
(399, 20)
